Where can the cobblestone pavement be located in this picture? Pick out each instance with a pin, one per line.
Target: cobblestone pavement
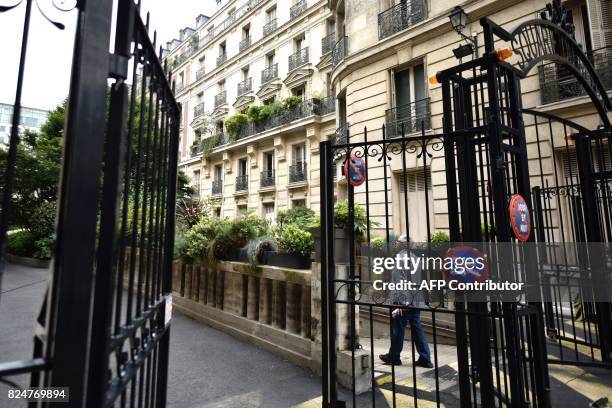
(210, 369)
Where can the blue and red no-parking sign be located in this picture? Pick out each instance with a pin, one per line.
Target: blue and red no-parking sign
(355, 170)
(520, 219)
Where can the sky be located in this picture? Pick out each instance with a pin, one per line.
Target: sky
(49, 52)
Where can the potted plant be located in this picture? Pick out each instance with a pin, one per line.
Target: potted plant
(296, 245)
(342, 235)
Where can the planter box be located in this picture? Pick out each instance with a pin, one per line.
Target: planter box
(341, 244)
(237, 255)
(284, 260)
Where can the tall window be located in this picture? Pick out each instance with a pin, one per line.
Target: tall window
(270, 59)
(196, 181)
(242, 167)
(218, 172)
(299, 154)
(268, 209)
(409, 85)
(268, 163)
(270, 14)
(244, 73)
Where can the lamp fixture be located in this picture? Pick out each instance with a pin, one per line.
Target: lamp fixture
(459, 21)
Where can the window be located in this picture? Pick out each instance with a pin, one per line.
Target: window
(298, 43)
(269, 100)
(298, 203)
(268, 212)
(409, 85)
(221, 86)
(242, 167)
(244, 73)
(269, 60)
(218, 212)
(410, 110)
(218, 4)
(246, 32)
(268, 162)
(299, 153)
(299, 91)
(242, 209)
(218, 172)
(222, 49)
(415, 194)
(270, 14)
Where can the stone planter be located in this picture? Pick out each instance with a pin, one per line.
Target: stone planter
(341, 244)
(285, 260)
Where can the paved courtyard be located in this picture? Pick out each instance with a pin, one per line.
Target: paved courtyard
(210, 369)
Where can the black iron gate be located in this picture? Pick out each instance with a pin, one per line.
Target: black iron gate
(481, 160)
(103, 330)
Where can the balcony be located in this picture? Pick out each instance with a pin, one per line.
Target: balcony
(342, 134)
(326, 105)
(401, 16)
(267, 179)
(244, 43)
(245, 86)
(297, 9)
(298, 59)
(242, 183)
(229, 21)
(269, 74)
(340, 50)
(557, 83)
(196, 149)
(409, 118)
(217, 187)
(327, 43)
(221, 59)
(179, 88)
(220, 99)
(269, 27)
(297, 172)
(200, 73)
(198, 110)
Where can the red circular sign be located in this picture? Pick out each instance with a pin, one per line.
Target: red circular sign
(355, 170)
(520, 219)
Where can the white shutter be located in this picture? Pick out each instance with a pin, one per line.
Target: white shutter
(600, 17)
(415, 180)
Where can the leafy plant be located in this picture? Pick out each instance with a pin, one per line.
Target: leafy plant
(253, 113)
(269, 110)
(291, 102)
(295, 240)
(201, 237)
(256, 248)
(189, 211)
(439, 237)
(341, 218)
(210, 143)
(234, 123)
(21, 243)
(303, 217)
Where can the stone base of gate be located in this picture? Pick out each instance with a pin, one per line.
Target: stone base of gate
(363, 370)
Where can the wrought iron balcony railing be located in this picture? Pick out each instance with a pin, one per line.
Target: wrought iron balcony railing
(198, 110)
(227, 23)
(327, 43)
(267, 178)
(242, 183)
(297, 172)
(196, 149)
(244, 43)
(245, 86)
(558, 83)
(269, 74)
(340, 50)
(220, 99)
(298, 59)
(269, 27)
(409, 118)
(326, 105)
(221, 59)
(342, 134)
(401, 16)
(297, 9)
(217, 187)
(200, 73)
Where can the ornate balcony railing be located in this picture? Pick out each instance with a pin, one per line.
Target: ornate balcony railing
(326, 105)
(267, 178)
(217, 187)
(340, 50)
(401, 16)
(558, 83)
(196, 149)
(269, 27)
(269, 74)
(342, 134)
(220, 99)
(200, 73)
(409, 118)
(297, 9)
(327, 43)
(242, 183)
(298, 59)
(198, 110)
(221, 59)
(245, 86)
(244, 43)
(297, 172)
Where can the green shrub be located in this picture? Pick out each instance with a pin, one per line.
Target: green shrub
(439, 237)
(260, 224)
(295, 240)
(44, 217)
(234, 123)
(341, 218)
(378, 243)
(253, 113)
(210, 143)
(21, 243)
(291, 102)
(232, 235)
(44, 248)
(269, 110)
(303, 217)
(201, 237)
(257, 246)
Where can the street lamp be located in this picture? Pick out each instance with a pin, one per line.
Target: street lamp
(459, 20)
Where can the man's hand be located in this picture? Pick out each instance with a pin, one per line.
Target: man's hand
(397, 312)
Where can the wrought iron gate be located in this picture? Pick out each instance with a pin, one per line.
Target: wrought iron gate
(104, 328)
(480, 161)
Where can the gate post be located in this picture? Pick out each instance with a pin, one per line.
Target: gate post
(78, 203)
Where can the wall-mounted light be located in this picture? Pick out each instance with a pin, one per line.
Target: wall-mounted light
(459, 21)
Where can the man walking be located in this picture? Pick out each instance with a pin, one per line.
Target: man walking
(401, 316)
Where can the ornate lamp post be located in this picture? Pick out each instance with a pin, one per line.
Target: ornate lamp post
(459, 20)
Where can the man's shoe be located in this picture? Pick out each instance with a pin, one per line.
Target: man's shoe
(387, 359)
(421, 362)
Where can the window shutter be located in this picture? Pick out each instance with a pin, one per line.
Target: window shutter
(600, 17)
(415, 180)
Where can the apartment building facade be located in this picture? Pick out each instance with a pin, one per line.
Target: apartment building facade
(390, 50)
(255, 53)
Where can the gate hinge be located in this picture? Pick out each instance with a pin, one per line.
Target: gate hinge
(118, 66)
